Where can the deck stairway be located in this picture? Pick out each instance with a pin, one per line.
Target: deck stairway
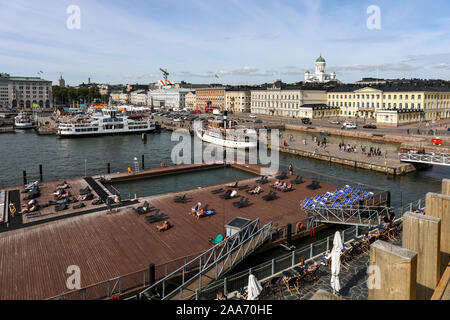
(210, 265)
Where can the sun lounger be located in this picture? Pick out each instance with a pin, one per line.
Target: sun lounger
(156, 218)
(298, 180)
(282, 176)
(61, 207)
(314, 185)
(79, 206)
(84, 191)
(217, 239)
(217, 191)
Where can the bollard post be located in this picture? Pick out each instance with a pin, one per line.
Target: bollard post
(24, 177)
(40, 173)
(152, 274)
(109, 168)
(143, 162)
(289, 234)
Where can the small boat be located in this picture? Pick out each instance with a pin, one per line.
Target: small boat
(24, 121)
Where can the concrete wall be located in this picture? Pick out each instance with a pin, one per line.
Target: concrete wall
(397, 272)
(438, 205)
(422, 234)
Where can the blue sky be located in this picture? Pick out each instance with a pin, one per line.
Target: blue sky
(243, 41)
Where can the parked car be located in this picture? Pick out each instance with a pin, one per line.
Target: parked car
(306, 121)
(335, 122)
(258, 121)
(253, 116)
(370, 126)
(349, 125)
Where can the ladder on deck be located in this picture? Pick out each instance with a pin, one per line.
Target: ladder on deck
(210, 265)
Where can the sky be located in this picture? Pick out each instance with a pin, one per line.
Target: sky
(240, 41)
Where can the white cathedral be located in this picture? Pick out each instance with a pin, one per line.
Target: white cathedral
(320, 75)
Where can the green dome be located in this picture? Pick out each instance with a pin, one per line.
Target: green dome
(320, 59)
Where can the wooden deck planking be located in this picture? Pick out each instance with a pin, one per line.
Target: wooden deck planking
(34, 260)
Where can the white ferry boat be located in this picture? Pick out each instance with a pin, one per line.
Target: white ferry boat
(226, 134)
(24, 121)
(108, 122)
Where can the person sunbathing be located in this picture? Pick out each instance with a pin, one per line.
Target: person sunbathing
(234, 185)
(196, 208)
(29, 209)
(165, 226)
(287, 187)
(277, 184)
(233, 194)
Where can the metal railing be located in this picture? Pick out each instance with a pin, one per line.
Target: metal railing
(416, 206)
(436, 159)
(211, 264)
(272, 267)
(364, 216)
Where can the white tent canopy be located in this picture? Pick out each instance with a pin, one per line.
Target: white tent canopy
(254, 288)
(336, 262)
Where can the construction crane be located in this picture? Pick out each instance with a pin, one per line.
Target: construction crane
(165, 74)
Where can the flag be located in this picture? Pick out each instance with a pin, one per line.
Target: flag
(36, 105)
(162, 82)
(169, 82)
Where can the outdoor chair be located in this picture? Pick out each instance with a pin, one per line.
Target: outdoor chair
(217, 191)
(314, 185)
(84, 191)
(243, 187)
(282, 176)
(270, 196)
(179, 199)
(263, 180)
(156, 218)
(273, 286)
(290, 281)
(298, 180)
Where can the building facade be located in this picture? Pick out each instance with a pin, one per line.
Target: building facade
(138, 98)
(285, 100)
(23, 92)
(211, 97)
(319, 74)
(238, 100)
(120, 97)
(409, 103)
(168, 97)
(191, 100)
(61, 82)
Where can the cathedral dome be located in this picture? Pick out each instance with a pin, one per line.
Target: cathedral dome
(320, 59)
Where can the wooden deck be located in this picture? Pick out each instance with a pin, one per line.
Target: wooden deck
(34, 260)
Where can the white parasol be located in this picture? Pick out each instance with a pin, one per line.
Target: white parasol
(254, 288)
(336, 262)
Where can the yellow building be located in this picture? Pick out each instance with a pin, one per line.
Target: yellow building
(381, 102)
(211, 97)
(238, 100)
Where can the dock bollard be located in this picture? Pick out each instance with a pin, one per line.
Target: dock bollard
(143, 162)
(144, 137)
(40, 173)
(109, 168)
(289, 234)
(24, 177)
(151, 271)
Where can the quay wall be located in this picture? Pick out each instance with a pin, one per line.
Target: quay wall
(393, 170)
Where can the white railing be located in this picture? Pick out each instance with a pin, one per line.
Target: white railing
(437, 158)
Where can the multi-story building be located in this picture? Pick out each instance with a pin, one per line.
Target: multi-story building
(392, 104)
(138, 98)
(191, 100)
(286, 100)
(23, 92)
(210, 97)
(168, 97)
(238, 99)
(120, 97)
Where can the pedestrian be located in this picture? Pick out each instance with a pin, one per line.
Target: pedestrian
(291, 169)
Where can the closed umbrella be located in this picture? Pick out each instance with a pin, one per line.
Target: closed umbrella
(335, 262)
(254, 288)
